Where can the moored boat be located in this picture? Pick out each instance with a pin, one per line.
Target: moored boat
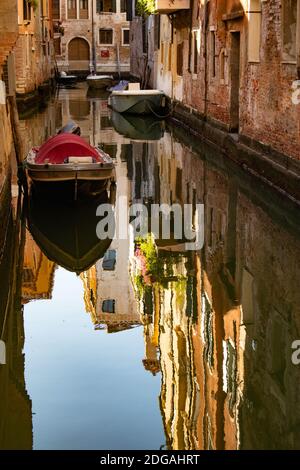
(136, 101)
(67, 164)
(64, 79)
(99, 82)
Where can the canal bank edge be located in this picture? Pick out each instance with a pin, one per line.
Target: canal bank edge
(33, 100)
(276, 169)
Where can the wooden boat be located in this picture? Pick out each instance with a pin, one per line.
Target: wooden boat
(99, 82)
(143, 128)
(64, 79)
(67, 165)
(136, 101)
(66, 232)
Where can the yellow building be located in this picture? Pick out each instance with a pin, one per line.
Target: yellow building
(38, 273)
(34, 53)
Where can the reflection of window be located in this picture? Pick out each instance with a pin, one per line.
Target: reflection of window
(106, 36)
(123, 6)
(289, 30)
(83, 9)
(108, 306)
(229, 372)
(125, 37)
(57, 45)
(105, 122)
(207, 330)
(109, 260)
(111, 149)
(72, 13)
(26, 10)
(106, 6)
(79, 109)
(27, 275)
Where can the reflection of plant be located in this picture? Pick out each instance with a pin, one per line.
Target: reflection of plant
(58, 28)
(145, 7)
(33, 3)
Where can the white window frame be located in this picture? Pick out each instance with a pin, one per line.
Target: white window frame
(195, 32)
(125, 29)
(113, 37)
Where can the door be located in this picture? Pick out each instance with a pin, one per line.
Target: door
(79, 54)
(235, 82)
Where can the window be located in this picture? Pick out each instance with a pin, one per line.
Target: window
(213, 54)
(72, 10)
(254, 30)
(55, 9)
(109, 260)
(180, 58)
(195, 51)
(289, 30)
(123, 6)
(106, 6)
(222, 65)
(108, 306)
(125, 37)
(83, 9)
(26, 11)
(106, 36)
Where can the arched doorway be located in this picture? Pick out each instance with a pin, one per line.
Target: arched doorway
(79, 54)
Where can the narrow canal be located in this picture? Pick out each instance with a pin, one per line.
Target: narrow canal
(142, 344)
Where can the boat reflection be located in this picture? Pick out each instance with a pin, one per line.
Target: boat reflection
(134, 127)
(66, 232)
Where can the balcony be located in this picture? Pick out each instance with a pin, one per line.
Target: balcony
(170, 6)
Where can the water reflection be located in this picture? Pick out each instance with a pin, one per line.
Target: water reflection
(66, 232)
(217, 324)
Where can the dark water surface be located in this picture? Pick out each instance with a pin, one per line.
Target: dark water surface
(166, 347)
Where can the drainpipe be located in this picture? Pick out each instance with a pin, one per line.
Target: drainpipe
(205, 59)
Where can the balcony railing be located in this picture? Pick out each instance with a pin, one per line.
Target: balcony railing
(169, 6)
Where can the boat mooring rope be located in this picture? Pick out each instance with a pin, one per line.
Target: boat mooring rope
(158, 115)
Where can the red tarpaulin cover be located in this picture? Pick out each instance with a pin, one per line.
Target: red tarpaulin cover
(62, 146)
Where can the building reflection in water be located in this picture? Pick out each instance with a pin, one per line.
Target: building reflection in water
(15, 403)
(218, 323)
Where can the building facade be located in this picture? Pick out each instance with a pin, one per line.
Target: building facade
(233, 64)
(34, 54)
(91, 31)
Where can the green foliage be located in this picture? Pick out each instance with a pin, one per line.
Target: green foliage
(33, 3)
(145, 7)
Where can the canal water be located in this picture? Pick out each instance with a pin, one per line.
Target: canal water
(139, 342)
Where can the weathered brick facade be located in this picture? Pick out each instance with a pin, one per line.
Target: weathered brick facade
(236, 63)
(34, 48)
